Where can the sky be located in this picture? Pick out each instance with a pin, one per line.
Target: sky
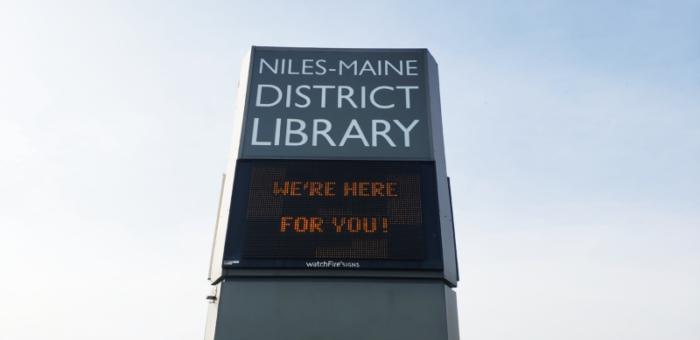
(572, 134)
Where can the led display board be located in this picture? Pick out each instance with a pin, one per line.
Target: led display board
(334, 214)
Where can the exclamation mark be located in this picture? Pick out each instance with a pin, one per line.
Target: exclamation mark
(384, 224)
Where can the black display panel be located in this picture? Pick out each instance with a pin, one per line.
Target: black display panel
(334, 214)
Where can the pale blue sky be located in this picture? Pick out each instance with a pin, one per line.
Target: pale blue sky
(572, 133)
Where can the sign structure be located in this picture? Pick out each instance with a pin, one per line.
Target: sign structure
(337, 164)
(336, 204)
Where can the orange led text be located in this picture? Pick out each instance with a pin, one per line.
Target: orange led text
(341, 224)
(364, 189)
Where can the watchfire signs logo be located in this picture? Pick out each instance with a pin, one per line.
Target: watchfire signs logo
(332, 264)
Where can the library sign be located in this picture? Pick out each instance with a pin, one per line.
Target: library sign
(335, 167)
(314, 104)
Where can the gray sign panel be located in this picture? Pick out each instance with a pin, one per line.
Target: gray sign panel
(337, 104)
(353, 309)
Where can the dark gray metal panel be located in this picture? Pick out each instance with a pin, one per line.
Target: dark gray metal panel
(290, 309)
(264, 140)
(446, 226)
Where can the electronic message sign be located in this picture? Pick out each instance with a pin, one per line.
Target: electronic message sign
(334, 214)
